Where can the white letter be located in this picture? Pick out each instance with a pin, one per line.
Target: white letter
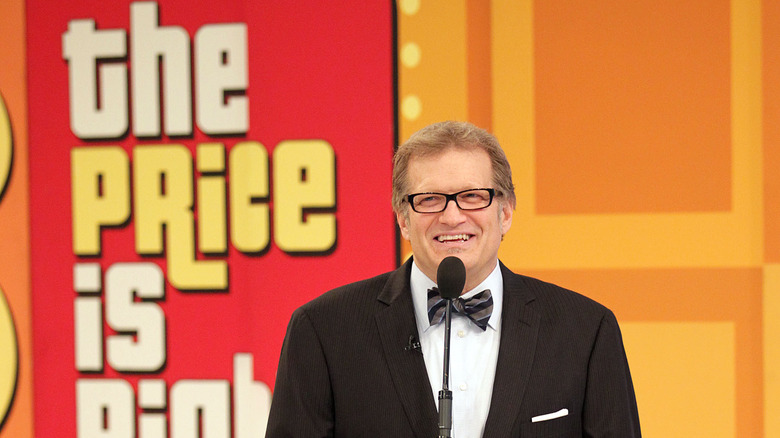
(193, 400)
(221, 67)
(146, 320)
(82, 47)
(105, 408)
(148, 43)
(88, 317)
(152, 396)
(251, 400)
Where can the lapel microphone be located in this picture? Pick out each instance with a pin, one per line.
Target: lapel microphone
(450, 279)
(413, 344)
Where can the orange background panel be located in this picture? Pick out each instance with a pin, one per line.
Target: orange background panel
(478, 63)
(771, 128)
(635, 134)
(632, 106)
(14, 229)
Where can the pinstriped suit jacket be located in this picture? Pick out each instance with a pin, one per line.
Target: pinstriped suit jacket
(344, 371)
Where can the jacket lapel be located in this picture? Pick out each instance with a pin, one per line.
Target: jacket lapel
(396, 324)
(519, 331)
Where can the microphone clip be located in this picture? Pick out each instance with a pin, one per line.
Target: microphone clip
(413, 344)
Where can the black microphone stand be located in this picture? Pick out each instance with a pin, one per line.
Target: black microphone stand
(445, 395)
(450, 277)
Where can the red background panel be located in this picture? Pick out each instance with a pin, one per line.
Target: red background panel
(323, 71)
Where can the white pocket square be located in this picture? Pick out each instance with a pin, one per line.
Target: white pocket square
(562, 413)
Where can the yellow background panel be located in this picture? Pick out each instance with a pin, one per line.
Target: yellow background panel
(639, 120)
(433, 26)
(680, 393)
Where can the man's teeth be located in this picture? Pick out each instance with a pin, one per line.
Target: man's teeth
(453, 237)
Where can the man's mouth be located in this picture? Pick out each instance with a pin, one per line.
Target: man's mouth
(453, 238)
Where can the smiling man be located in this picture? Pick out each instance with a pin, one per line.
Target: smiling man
(366, 359)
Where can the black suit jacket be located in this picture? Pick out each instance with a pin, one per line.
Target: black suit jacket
(345, 370)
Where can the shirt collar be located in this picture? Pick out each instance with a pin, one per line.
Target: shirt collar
(420, 283)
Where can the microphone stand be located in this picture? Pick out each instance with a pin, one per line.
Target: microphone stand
(450, 277)
(445, 395)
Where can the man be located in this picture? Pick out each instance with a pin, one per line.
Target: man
(366, 359)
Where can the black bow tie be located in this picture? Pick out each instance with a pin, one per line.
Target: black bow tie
(477, 308)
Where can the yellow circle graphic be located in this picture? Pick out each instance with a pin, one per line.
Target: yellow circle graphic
(6, 147)
(9, 365)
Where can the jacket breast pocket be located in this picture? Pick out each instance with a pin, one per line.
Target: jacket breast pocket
(563, 427)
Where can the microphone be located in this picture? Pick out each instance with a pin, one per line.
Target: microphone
(450, 279)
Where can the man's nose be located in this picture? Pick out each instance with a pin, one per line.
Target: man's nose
(452, 214)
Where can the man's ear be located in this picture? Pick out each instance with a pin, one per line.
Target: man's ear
(403, 224)
(506, 217)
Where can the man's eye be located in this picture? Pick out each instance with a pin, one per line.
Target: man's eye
(473, 197)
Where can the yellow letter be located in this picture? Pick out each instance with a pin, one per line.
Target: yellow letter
(249, 219)
(304, 182)
(163, 198)
(212, 208)
(100, 190)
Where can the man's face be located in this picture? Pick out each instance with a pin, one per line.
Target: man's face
(473, 236)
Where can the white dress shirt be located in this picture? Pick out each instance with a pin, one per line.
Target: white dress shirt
(473, 353)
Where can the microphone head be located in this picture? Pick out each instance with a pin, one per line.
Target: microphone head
(451, 277)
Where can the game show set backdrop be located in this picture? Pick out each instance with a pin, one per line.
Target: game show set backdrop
(176, 177)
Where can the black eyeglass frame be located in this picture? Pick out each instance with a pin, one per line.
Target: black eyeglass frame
(453, 197)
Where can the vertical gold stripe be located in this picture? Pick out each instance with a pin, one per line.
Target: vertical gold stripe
(512, 89)
(746, 122)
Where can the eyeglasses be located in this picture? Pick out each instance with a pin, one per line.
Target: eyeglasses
(471, 199)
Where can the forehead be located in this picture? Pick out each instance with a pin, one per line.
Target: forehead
(452, 170)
